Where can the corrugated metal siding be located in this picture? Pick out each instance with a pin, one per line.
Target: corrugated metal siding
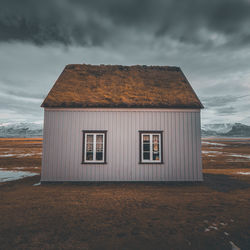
(62, 148)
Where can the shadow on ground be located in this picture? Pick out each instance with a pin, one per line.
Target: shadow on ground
(217, 182)
(224, 183)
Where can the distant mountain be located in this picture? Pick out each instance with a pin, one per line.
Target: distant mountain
(35, 129)
(21, 129)
(239, 130)
(227, 130)
(218, 128)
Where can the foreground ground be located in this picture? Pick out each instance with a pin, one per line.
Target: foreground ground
(206, 215)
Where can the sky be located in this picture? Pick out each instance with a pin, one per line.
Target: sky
(209, 40)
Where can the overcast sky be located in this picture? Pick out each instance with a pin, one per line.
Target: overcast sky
(209, 40)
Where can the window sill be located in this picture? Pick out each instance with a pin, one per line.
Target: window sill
(99, 163)
(161, 162)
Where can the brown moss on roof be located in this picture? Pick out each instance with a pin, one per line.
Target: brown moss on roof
(109, 86)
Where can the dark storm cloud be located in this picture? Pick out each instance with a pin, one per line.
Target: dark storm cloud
(208, 39)
(43, 22)
(92, 22)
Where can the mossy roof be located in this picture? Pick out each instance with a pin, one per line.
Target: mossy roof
(116, 86)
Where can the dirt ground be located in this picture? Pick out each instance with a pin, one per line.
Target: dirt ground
(207, 215)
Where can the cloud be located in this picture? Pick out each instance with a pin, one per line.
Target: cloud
(16, 106)
(29, 71)
(46, 22)
(206, 23)
(209, 40)
(226, 110)
(218, 101)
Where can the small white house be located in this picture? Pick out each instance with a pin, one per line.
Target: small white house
(121, 123)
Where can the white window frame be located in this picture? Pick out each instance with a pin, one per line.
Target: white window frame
(151, 134)
(94, 147)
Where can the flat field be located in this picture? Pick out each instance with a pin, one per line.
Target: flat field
(214, 214)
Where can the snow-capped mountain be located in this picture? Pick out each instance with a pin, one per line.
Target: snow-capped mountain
(35, 129)
(227, 129)
(239, 130)
(218, 128)
(21, 129)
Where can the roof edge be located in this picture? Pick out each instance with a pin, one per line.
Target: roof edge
(42, 105)
(121, 107)
(72, 66)
(201, 105)
(125, 109)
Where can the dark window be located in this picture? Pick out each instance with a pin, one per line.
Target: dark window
(151, 147)
(94, 146)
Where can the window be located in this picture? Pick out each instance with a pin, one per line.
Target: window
(94, 146)
(150, 146)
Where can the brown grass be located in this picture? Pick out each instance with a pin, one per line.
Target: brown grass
(26, 154)
(122, 86)
(222, 157)
(126, 215)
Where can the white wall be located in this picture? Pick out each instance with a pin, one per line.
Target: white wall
(62, 146)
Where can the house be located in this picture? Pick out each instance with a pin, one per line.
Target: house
(121, 123)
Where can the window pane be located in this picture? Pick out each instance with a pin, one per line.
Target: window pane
(156, 156)
(99, 156)
(156, 147)
(99, 147)
(99, 139)
(90, 138)
(155, 138)
(89, 147)
(155, 143)
(146, 138)
(89, 156)
(146, 156)
(146, 147)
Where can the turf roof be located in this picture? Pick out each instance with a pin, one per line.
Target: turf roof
(116, 86)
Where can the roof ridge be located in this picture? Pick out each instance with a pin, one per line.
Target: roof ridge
(72, 66)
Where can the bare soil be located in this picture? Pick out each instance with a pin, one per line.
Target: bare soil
(205, 215)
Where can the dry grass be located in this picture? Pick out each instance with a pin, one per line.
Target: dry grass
(126, 215)
(21, 154)
(226, 153)
(122, 86)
